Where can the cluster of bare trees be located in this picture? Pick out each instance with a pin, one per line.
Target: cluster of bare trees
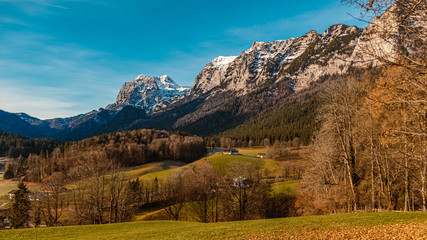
(370, 153)
(199, 193)
(371, 150)
(97, 192)
(122, 148)
(84, 182)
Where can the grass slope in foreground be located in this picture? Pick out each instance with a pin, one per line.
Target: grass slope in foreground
(385, 225)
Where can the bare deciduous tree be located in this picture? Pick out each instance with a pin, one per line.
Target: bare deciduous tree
(52, 203)
(174, 195)
(204, 191)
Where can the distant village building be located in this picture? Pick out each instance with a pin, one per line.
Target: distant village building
(261, 155)
(34, 196)
(242, 182)
(4, 217)
(38, 196)
(12, 194)
(231, 151)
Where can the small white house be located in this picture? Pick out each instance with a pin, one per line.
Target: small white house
(231, 152)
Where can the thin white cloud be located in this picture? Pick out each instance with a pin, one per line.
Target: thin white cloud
(31, 101)
(39, 7)
(57, 6)
(10, 20)
(49, 80)
(18, 95)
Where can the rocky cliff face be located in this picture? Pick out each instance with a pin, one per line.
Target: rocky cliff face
(329, 54)
(395, 33)
(302, 60)
(211, 75)
(149, 93)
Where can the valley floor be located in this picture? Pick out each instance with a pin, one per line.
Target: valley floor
(383, 225)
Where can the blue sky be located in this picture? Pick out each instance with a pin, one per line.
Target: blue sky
(60, 58)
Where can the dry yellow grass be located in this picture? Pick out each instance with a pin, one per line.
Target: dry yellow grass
(155, 215)
(394, 231)
(252, 151)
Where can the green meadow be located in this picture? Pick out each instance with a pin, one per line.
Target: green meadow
(310, 227)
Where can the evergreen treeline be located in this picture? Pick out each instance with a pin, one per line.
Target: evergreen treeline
(289, 120)
(13, 146)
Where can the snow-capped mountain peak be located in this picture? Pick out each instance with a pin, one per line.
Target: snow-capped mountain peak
(149, 93)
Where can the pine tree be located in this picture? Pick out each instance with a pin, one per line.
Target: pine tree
(20, 207)
(9, 174)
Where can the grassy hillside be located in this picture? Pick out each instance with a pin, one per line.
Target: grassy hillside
(221, 162)
(9, 185)
(384, 225)
(151, 170)
(287, 187)
(252, 151)
(218, 160)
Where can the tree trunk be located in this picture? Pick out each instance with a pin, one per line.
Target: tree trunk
(372, 166)
(423, 184)
(407, 203)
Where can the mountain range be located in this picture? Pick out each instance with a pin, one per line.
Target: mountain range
(227, 92)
